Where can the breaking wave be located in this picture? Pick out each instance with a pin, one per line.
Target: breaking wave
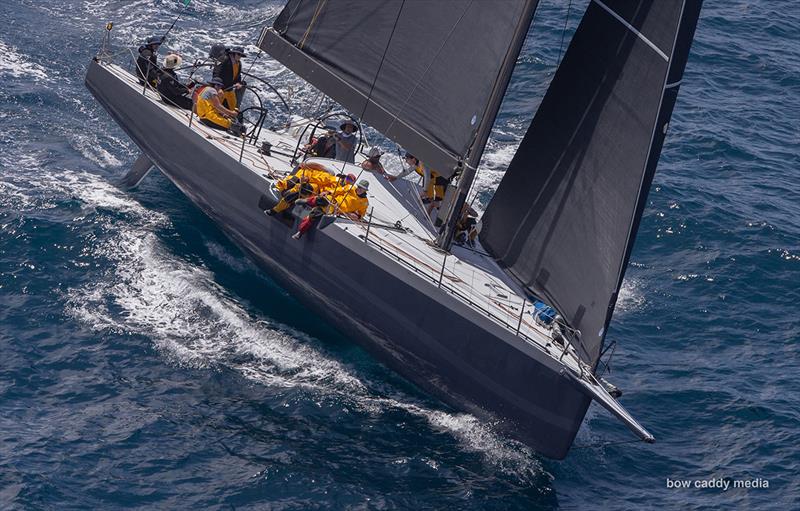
(196, 323)
(631, 296)
(16, 65)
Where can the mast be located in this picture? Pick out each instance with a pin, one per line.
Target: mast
(475, 153)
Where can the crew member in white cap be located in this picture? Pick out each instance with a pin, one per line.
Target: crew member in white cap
(373, 161)
(172, 91)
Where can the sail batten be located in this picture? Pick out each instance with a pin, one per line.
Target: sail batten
(564, 218)
(426, 87)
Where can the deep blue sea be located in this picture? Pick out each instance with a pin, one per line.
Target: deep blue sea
(146, 363)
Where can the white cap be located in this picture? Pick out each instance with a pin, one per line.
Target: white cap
(172, 61)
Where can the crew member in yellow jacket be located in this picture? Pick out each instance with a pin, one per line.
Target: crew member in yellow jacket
(210, 109)
(434, 186)
(292, 188)
(352, 203)
(343, 183)
(317, 175)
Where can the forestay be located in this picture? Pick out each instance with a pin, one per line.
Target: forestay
(565, 215)
(422, 72)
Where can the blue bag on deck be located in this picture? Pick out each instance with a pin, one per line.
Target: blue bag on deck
(543, 313)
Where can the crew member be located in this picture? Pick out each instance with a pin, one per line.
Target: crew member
(467, 226)
(434, 186)
(353, 203)
(346, 141)
(230, 72)
(323, 146)
(292, 189)
(147, 62)
(320, 205)
(373, 161)
(169, 86)
(210, 109)
(344, 183)
(317, 175)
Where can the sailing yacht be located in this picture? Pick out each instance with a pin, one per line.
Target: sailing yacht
(469, 326)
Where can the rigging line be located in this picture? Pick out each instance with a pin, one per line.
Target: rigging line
(607, 363)
(474, 192)
(383, 59)
(566, 21)
(292, 15)
(417, 203)
(369, 94)
(164, 37)
(337, 206)
(260, 51)
(417, 200)
(270, 170)
(452, 276)
(430, 64)
(317, 11)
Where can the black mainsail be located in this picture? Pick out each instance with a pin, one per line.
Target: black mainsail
(424, 73)
(564, 218)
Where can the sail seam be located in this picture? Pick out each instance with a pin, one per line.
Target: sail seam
(630, 27)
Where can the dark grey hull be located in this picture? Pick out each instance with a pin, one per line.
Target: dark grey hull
(424, 334)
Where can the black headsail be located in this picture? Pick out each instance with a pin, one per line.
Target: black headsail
(564, 218)
(424, 73)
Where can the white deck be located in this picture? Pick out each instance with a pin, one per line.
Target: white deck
(468, 275)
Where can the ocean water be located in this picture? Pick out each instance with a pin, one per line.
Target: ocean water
(146, 363)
